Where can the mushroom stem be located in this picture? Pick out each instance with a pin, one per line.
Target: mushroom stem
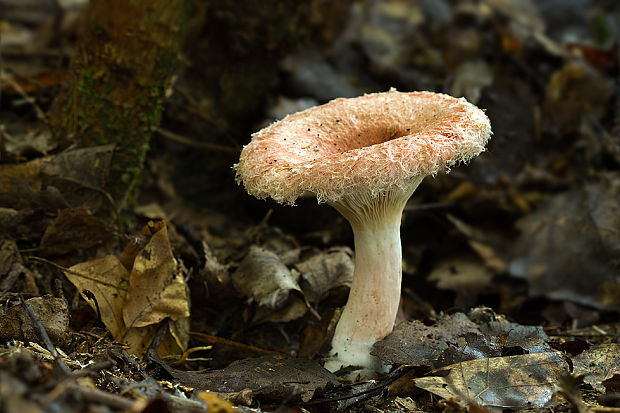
(370, 312)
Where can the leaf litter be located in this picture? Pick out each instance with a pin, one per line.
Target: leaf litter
(529, 229)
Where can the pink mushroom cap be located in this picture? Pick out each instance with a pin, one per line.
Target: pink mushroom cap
(373, 143)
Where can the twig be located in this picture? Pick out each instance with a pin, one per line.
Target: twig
(189, 351)
(234, 344)
(99, 396)
(45, 338)
(190, 142)
(37, 109)
(368, 388)
(62, 387)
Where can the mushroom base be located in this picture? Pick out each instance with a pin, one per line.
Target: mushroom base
(374, 297)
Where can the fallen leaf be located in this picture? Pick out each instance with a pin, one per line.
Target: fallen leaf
(457, 274)
(132, 301)
(108, 280)
(157, 288)
(574, 92)
(414, 343)
(268, 378)
(265, 280)
(513, 382)
(73, 229)
(486, 245)
(470, 78)
(597, 364)
(569, 248)
(456, 338)
(52, 312)
(30, 192)
(326, 271)
(215, 404)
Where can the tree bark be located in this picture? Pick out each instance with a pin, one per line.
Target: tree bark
(114, 90)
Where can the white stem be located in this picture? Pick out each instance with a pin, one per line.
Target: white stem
(374, 297)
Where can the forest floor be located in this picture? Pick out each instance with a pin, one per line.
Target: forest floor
(196, 297)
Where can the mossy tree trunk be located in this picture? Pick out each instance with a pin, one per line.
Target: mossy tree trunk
(114, 90)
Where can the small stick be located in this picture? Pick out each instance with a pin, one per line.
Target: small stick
(37, 109)
(234, 344)
(190, 142)
(45, 338)
(99, 396)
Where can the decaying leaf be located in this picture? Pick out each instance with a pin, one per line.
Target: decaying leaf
(267, 377)
(574, 91)
(570, 247)
(215, 403)
(456, 338)
(264, 279)
(522, 381)
(597, 364)
(414, 343)
(69, 179)
(11, 266)
(37, 140)
(73, 229)
(470, 78)
(52, 312)
(484, 244)
(325, 271)
(132, 301)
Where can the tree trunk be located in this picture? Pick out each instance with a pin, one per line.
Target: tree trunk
(115, 87)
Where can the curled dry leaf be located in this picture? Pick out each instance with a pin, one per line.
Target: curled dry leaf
(157, 288)
(108, 280)
(414, 343)
(470, 78)
(325, 271)
(73, 177)
(265, 280)
(487, 246)
(11, 267)
(132, 301)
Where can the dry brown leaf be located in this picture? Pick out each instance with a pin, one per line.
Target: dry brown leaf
(71, 178)
(108, 280)
(482, 243)
(73, 229)
(157, 288)
(132, 303)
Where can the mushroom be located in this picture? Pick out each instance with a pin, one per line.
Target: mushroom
(364, 156)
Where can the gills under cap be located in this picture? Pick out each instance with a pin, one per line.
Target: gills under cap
(373, 143)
